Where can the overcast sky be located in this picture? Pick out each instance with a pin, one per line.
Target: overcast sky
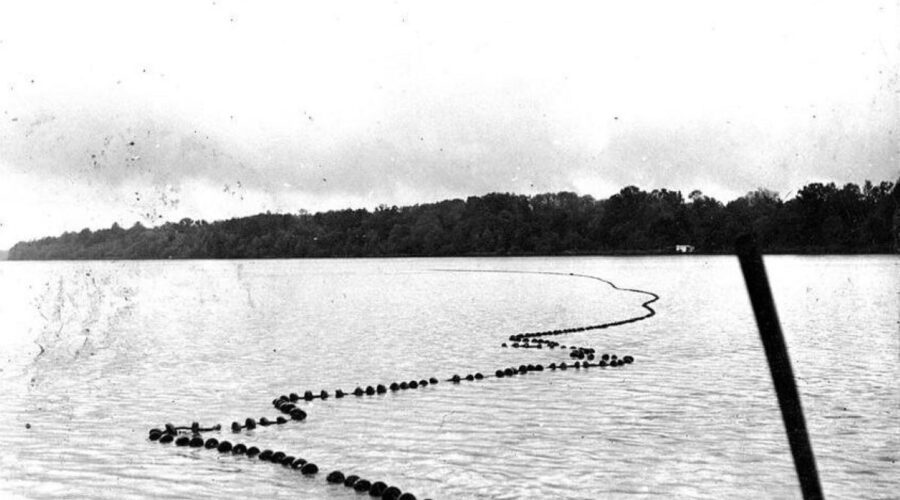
(154, 111)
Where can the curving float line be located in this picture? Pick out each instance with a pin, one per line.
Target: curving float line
(646, 305)
(288, 404)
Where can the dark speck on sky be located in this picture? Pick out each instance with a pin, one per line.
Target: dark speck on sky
(413, 112)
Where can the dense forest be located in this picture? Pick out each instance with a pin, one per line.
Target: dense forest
(821, 218)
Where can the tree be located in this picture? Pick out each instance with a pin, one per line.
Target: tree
(821, 218)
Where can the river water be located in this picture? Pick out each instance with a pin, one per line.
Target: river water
(94, 354)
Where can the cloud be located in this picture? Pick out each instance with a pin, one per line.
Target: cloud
(452, 144)
(159, 112)
(734, 156)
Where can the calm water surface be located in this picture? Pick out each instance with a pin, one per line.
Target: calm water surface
(96, 353)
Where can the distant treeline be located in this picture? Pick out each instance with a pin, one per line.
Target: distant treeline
(821, 218)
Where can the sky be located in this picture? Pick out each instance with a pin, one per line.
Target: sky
(124, 112)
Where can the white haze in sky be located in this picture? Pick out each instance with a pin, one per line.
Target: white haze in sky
(155, 111)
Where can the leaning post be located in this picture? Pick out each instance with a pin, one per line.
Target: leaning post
(779, 365)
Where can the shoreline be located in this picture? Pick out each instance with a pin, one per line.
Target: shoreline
(464, 256)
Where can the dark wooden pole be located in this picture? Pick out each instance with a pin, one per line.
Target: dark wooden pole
(780, 365)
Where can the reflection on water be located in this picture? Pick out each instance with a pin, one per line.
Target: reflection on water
(94, 354)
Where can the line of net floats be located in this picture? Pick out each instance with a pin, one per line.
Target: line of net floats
(288, 405)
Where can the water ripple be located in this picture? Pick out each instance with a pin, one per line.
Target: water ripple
(693, 417)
